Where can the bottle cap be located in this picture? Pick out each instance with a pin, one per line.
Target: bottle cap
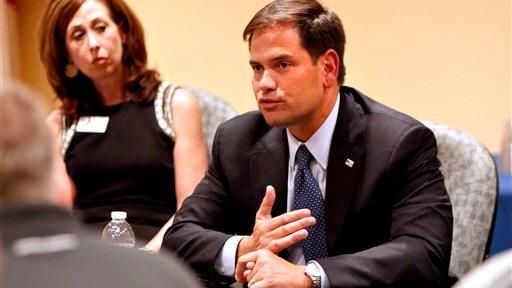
(118, 215)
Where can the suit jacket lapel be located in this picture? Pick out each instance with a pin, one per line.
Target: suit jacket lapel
(341, 178)
(269, 166)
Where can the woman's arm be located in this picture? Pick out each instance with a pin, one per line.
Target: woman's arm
(190, 156)
(61, 181)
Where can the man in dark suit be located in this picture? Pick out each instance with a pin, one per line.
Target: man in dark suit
(42, 245)
(384, 217)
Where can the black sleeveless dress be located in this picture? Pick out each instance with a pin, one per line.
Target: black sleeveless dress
(129, 167)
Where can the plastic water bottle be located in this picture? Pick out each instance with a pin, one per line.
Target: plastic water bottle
(118, 232)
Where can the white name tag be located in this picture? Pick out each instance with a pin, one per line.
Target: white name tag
(92, 124)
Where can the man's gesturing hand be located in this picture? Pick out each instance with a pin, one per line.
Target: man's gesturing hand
(273, 234)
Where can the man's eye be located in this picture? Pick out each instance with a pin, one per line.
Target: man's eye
(257, 68)
(283, 65)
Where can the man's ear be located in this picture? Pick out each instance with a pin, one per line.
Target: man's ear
(331, 67)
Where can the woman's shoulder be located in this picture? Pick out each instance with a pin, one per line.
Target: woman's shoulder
(184, 98)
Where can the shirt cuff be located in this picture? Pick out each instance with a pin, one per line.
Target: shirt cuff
(225, 262)
(325, 283)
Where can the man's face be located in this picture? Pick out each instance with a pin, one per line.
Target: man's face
(288, 86)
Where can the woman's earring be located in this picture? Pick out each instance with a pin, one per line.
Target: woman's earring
(71, 70)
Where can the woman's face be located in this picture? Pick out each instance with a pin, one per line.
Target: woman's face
(95, 43)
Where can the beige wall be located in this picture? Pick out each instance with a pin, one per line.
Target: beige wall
(31, 70)
(446, 61)
(8, 42)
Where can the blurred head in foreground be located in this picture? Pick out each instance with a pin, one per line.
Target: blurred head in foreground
(30, 171)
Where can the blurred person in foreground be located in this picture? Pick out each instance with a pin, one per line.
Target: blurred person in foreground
(129, 141)
(323, 186)
(42, 244)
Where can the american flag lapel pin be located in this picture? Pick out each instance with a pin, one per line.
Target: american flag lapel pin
(349, 163)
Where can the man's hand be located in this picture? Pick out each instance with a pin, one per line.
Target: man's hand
(274, 234)
(265, 269)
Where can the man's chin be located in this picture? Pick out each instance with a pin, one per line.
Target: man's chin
(275, 121)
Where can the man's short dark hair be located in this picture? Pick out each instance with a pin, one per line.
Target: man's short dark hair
(319, 29)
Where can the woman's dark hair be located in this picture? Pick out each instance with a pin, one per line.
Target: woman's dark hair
(78, 94)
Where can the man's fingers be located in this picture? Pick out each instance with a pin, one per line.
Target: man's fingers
(253, 283)
(249, 257)
(292, 227)
(246, 272)
(249, 265)
(289, 234)
(258, 284)
(267, 203)
(242, 263)
(280, 244)
(261, 255)
(289, 217)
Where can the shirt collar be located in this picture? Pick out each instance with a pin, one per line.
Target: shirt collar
(320, 142)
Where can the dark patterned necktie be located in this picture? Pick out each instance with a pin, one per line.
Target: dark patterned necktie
(307, 195)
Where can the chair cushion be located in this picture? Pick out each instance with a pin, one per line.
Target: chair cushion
(471, 182)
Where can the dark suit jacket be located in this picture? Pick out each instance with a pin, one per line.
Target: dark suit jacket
(389, 218)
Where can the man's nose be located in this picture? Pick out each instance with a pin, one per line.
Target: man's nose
(267, 82)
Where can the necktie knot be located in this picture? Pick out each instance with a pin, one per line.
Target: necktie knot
(303, 156)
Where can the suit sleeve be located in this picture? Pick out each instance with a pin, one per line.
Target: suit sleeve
(418, 251)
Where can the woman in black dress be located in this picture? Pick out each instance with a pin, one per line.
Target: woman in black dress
(129, 141)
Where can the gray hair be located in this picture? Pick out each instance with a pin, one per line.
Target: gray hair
(26, 146)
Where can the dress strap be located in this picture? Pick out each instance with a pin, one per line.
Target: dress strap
(163, 109)
(66, 135)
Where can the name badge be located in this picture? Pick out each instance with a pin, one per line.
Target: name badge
(92, 124)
